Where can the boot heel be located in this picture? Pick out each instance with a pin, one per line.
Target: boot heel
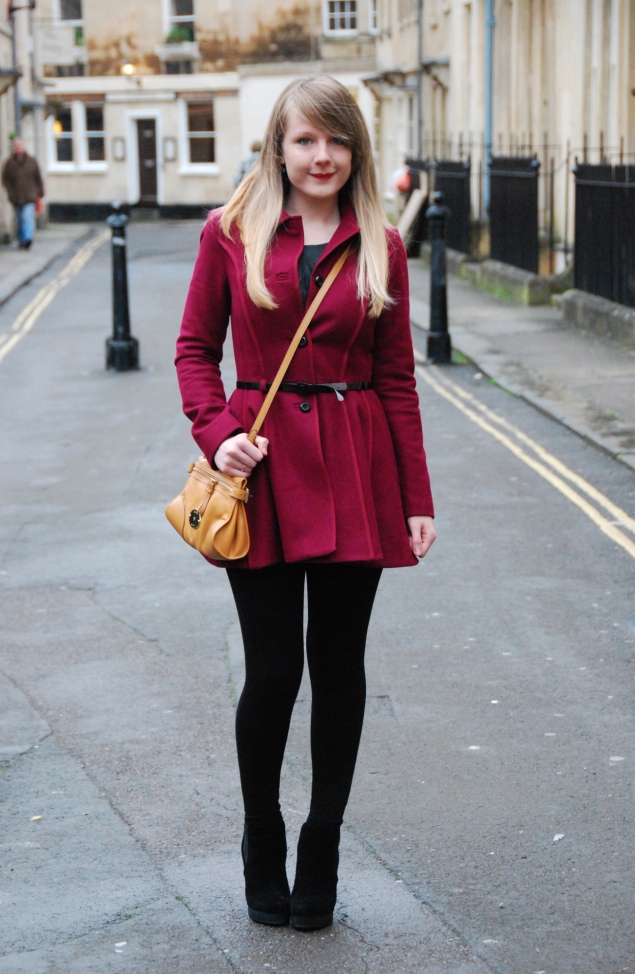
(315, 888)
(264, 852)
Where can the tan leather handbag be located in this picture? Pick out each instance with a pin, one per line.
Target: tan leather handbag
(209, 513)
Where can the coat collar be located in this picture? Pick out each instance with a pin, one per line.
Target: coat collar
(348, 226)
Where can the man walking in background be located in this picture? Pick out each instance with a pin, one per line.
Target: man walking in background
(23, 182)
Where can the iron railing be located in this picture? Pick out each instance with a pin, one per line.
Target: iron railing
(604, 249)
(453, 180)
(514, 211)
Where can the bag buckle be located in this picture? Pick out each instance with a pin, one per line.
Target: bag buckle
(195, 518)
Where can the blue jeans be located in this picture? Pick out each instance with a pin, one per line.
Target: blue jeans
(25, 220)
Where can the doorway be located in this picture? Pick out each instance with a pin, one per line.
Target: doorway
(147, 154)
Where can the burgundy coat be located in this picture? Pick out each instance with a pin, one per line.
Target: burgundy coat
(342, 477)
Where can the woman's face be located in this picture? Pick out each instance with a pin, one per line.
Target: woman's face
(318, 164)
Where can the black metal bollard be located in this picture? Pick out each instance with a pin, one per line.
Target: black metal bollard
(122, 350)
(439, 342)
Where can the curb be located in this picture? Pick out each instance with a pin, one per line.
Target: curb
(31, 276)
(537, 403)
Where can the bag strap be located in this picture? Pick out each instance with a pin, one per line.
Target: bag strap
(304, 324)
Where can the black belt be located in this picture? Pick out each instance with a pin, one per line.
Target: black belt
(307, 388)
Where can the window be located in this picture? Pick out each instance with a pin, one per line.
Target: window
(71, 13)
(200, 132)
(95, 141)
(341, 15)
(70, 9)
(181, 21)
(178, 67)
(373, 16)
(63, 133)
(77, 140)
(70, 70)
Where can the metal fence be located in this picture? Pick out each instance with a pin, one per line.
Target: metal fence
(514, 211)
(541, 213)
(604, 249)
(453, 180)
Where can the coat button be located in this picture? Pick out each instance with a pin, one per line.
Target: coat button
(305, 407)
(303, 341)
(319, 280)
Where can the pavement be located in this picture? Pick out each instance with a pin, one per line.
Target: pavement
(584, 382)
(19, 267)
(483, 836)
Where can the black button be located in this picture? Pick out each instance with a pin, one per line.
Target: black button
(305, 407)
(303, 341)
(319, 280)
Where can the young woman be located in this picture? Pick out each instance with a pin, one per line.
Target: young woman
(339, 487)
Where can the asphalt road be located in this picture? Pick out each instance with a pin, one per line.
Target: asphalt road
(491, 823)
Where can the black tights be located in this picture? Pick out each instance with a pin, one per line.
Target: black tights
(270, 603)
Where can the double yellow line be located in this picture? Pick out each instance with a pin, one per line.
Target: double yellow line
(575, 488)
(30, 314)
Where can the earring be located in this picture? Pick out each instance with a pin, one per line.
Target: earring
(283, 169)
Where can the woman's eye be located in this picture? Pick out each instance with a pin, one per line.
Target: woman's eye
(337, 141)
(304, 140)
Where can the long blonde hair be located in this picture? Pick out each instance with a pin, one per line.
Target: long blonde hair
(257, 202)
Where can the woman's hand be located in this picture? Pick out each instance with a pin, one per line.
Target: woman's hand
(237, 456)
(422, 534)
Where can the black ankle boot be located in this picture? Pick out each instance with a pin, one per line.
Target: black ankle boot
(315, 888)
(264, 850)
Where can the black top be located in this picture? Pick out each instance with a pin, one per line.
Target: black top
(308, 259)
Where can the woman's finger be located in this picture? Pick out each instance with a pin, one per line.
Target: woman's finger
(238, 456)
(244, 450)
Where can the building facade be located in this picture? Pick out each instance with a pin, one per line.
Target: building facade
(156, 102)
(8, 80)
(563, 84)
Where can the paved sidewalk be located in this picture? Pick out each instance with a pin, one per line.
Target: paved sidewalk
(584, 382)
(18, 267)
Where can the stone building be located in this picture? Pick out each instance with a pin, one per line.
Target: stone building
(157, 101)
(563, 80)
(8, 79)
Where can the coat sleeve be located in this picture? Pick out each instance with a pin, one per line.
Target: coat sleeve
(199, 348)
(395, 384)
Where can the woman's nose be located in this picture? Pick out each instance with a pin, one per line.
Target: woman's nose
(322, 153)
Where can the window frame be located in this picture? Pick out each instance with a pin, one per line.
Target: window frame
(86, 164)
(78, 25)
(172, 20)
(55, 164)
(340, 31)
(70, 22)
(186, 167)
(79, 141)
(373, 17)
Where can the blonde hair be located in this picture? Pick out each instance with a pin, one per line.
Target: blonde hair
(257, 202)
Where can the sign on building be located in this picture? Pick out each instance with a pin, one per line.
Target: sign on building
(57, 45)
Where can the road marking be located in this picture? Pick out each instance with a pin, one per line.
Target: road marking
(484, 417)
(30, 314)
